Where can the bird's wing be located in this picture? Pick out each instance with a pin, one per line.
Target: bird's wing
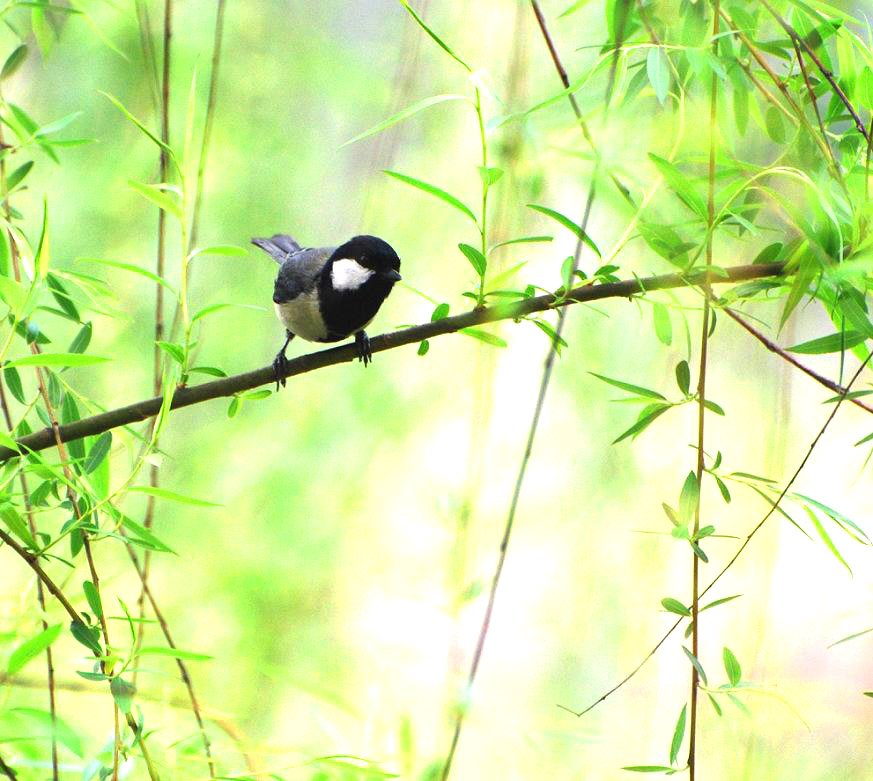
(278, 246)
(299, 272)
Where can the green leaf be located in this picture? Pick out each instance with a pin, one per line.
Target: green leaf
(221, 249)
(852, 637)
(521, 240)
(829, 344)
(176, 653)
(725, 494)
(13, 382)
(401, 115)
(681, 186)
(731, 666)
(483, 336)
(42, 251)
(82, 339)
(825, 537)
(157, 196)
(834, 515)
(123, 693)
(663, 326)
(658, 71)
(713, 407)
(89, 636)
(439, 41)
(688, 498)
(440, 312)
(58, 124)
(208, 310)
(32, 648)
(696, 664)
(163, 493)
(436, 192)
(60, 294)
(557, 341)
(93, 598)
(130, 267)
(233, 407)
(489, 176)
(57, 359)
(12, 64)
(476, 258)
(17, 525)
(637, 389)
(143, 128)
(774, 124)
(650, 769)
(141, 534)
(647, 416)
(721, 601)
(683, 377)
(175, 351)
(98, 452)
(678, 735)
(675, 606)
(46, 725)
(212, 371)
(567, 223)
(715, 706)
(423, 347)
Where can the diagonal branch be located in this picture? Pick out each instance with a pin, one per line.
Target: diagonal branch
(228, 386)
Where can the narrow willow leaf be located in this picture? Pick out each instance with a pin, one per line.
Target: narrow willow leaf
(672, 605)
(13, 382)
(434, 191)
(32, 648)
(123, 693)
(680, 184)
(98, 452)
(129, 267)
(715, 706)
(82, 339)
(683, 377)
(208, 310)
(567, 223)
(696, 664)
(142, 127)
(721, 601)
(713, 407)
(45, 724)
(521, 240)
(60, 294)
(423, 347)
(731, 666)
(678, 735)
(212, 371)
(825, 537)
(141, 534)
(440, 312)
(851, 637)
(557, 341)
(13, 61)
(175, 351)
(836, 516)
(658, 71)
(158, 197)
(176, 653)
(647, 417)
(439, 41)
(476, 258)
(401, 115)
(17, 525)
(688, 498)
(663, 326)
(829, 344)
(483, 336)
(89, 636)
(163, 493)
(774, 124)
(93, 598)
(639, 390)
(221, 249)
(650, 769)
(723, 489)
(57, 359)
(566, 12)
(42, 250)
(58, 124)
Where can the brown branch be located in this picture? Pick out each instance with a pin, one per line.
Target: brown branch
(228, 386)
(775, 348)
(6, 770)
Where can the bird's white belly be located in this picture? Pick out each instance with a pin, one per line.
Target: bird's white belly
(302, 317)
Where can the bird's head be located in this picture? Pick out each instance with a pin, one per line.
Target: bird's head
(361, 259)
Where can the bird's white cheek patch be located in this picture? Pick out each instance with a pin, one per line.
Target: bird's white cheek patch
(348, 274)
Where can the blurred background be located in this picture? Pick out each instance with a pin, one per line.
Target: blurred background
(341, 584)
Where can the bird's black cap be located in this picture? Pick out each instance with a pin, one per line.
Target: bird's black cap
(370, 251)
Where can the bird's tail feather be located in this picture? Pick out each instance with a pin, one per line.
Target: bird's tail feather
(278, 246)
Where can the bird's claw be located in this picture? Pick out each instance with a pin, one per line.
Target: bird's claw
(280, 366)
(362, 343)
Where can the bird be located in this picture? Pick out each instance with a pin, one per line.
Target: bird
(326, 294)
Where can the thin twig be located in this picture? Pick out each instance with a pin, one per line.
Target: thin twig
(826, 72)
(228, 386)
(775, 348)
(814, 101)
(732, 561)
(6, 770)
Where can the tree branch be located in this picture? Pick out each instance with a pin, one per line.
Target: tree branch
(228, 386)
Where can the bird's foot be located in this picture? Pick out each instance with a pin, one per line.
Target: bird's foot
(362, 344)
(280, 362)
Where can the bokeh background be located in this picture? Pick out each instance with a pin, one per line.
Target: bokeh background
(341, 583)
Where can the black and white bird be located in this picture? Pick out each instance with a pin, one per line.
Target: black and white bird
(326, 294)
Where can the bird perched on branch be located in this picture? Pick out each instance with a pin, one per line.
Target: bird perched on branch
(326, 294)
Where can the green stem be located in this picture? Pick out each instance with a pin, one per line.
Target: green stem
(483, 223)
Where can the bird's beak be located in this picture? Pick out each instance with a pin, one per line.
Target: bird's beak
(391, 274)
